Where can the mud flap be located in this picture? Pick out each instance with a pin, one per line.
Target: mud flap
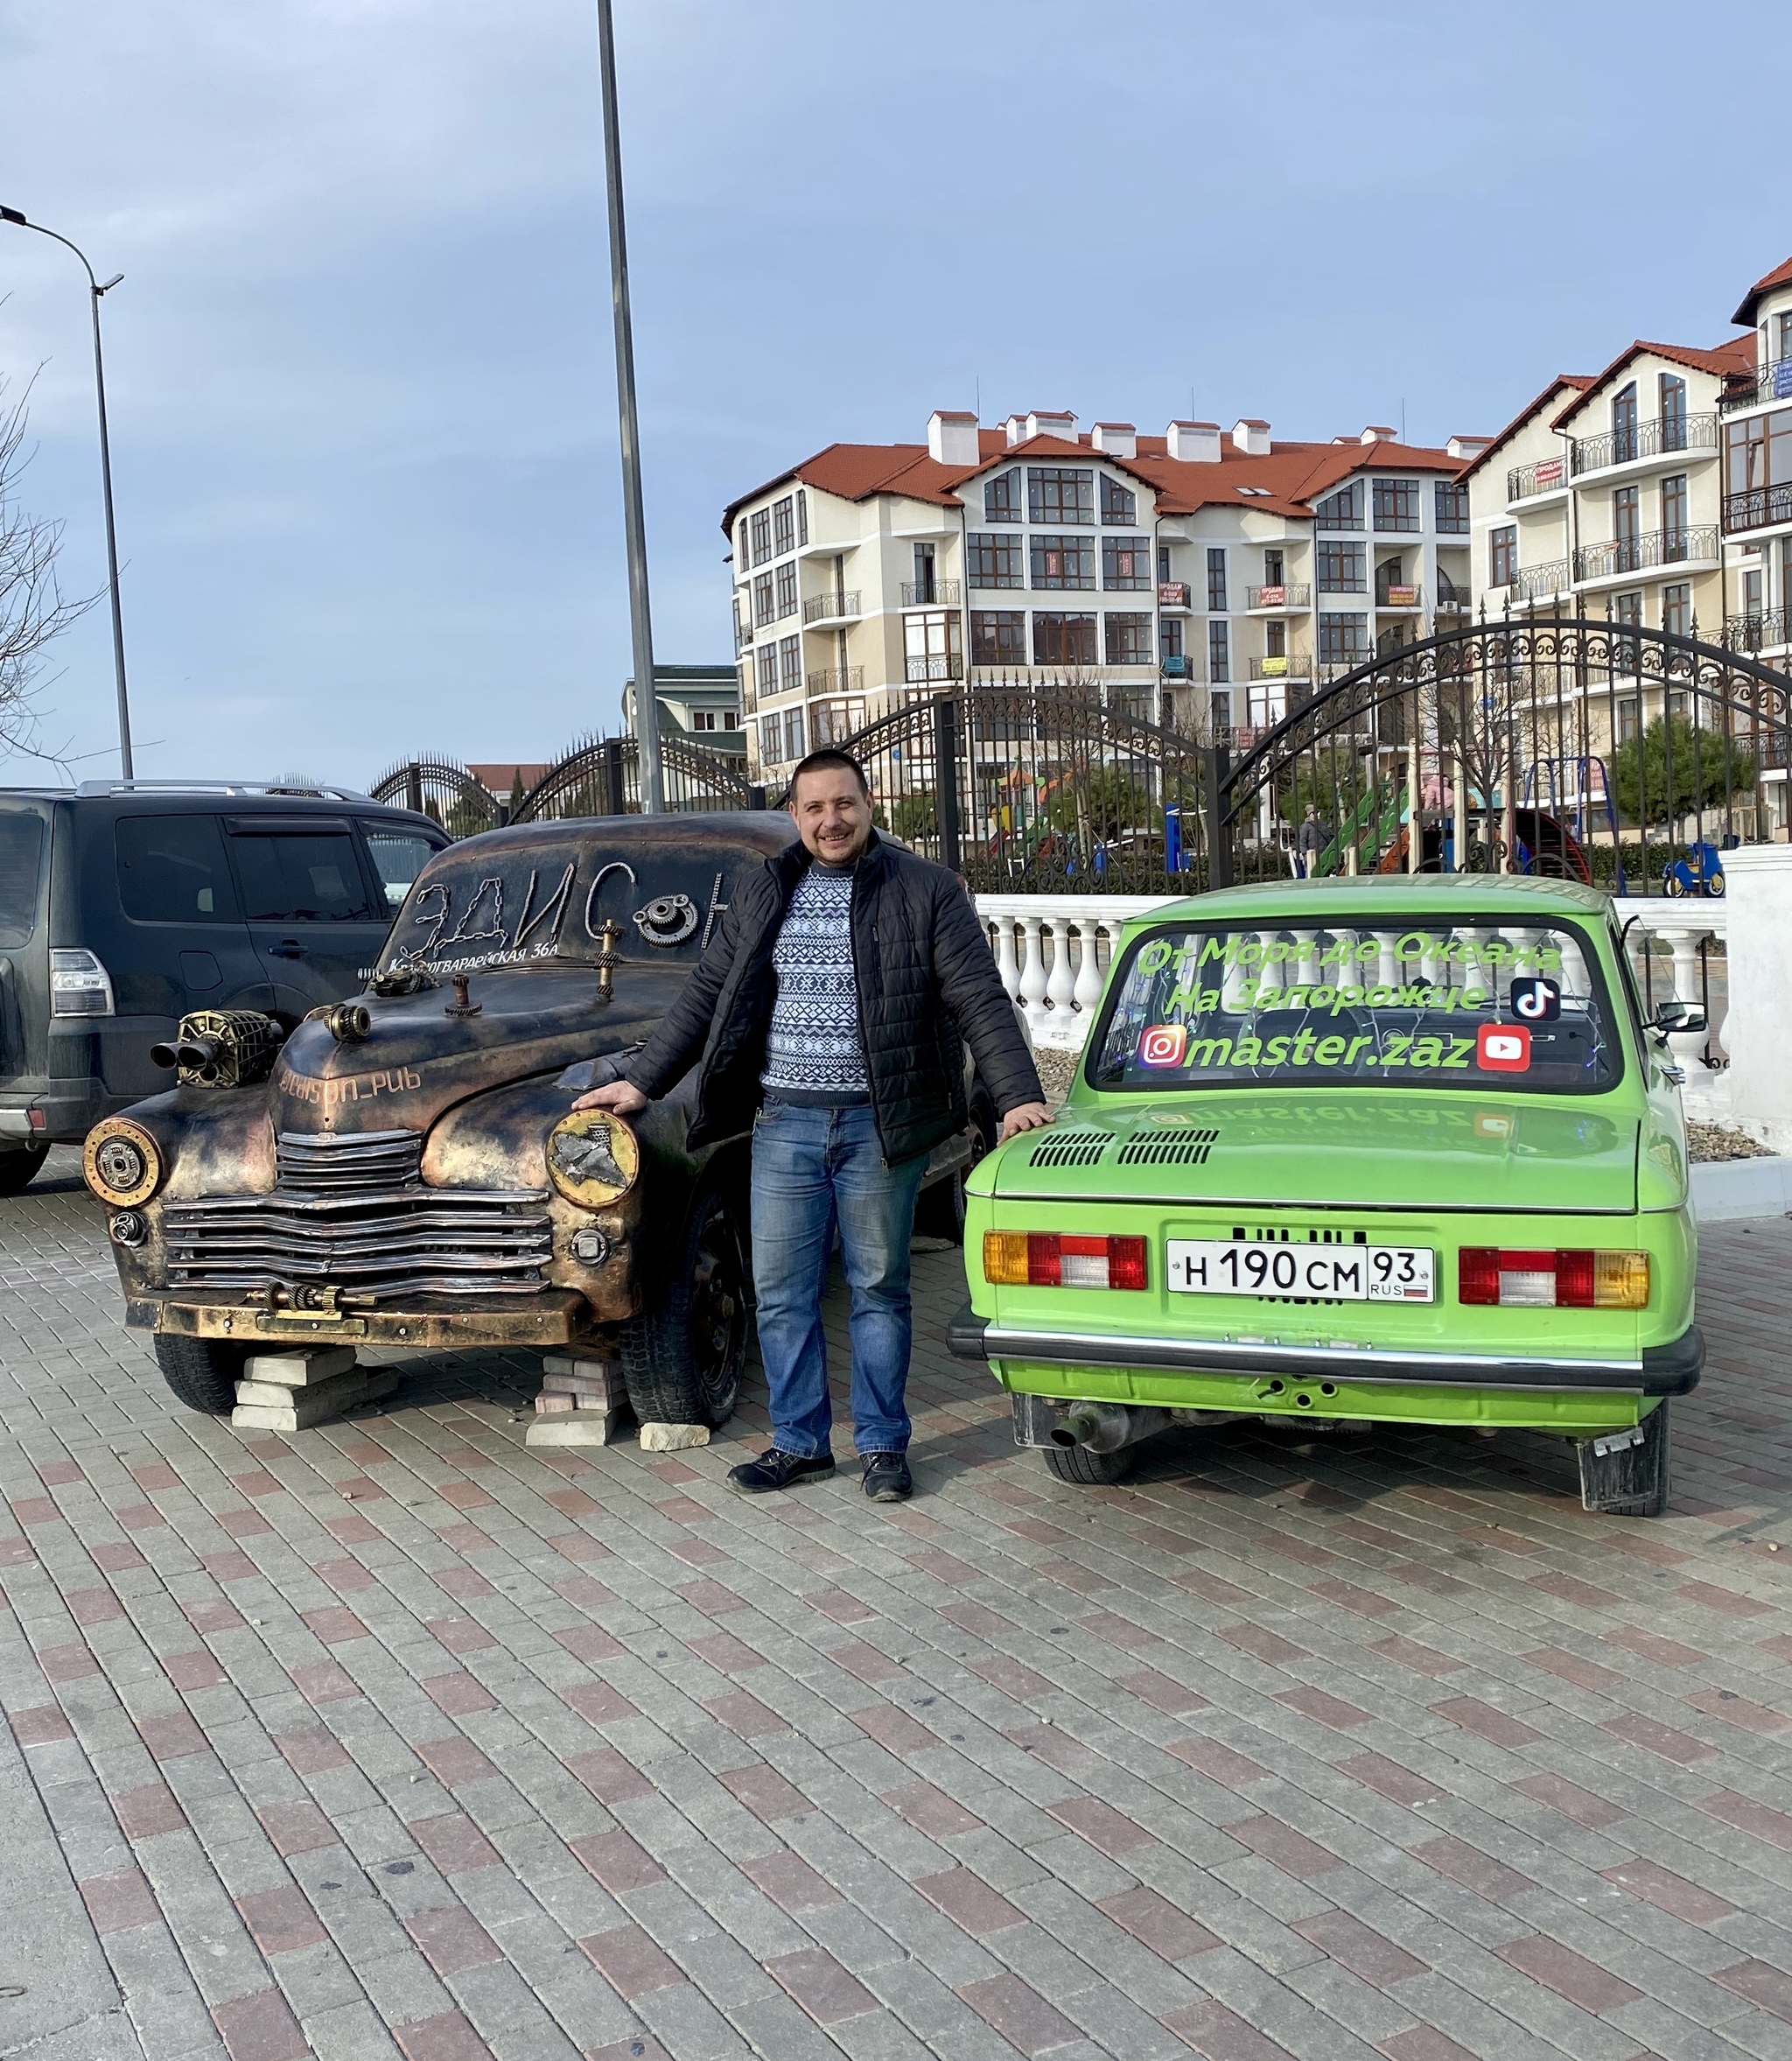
(1625, 1473)
(1033, 1419)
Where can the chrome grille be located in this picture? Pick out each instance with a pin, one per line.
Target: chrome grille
(384, 1245)
(325, 1162)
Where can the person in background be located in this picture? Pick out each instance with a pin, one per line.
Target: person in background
(1310, 842)
(828, 1010)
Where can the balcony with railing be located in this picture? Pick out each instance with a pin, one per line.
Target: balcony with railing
(932, 593)
(1535, 583)
(1763, 631)
(1282, 665)
(837, 679)
(830, 608)
(1663, 435)
(1277, 598)
(1398, 596)
(1177, 665)
(742, 636)
(1756, 507)
(922, 666)
(1174, 593)
(1452, 599)
(1772, 383)
(1646, 551)
(1547, 475)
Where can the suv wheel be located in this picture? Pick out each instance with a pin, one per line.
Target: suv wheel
(939, 1210)
(201, 1372)
(18, 1168)
(683, 1359)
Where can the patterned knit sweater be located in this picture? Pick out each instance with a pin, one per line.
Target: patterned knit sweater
(814, 1052)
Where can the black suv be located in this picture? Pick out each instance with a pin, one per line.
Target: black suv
(126, 905)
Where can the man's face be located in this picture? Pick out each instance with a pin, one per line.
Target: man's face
(833, 814)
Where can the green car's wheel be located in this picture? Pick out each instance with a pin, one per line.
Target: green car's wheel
(1090, 1470)
(683, 1360)
(201, 1372)
(1631, 1481)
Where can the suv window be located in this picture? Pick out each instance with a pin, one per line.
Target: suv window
(172, 870)
(399, 857)
(21, 874)
(301, 879)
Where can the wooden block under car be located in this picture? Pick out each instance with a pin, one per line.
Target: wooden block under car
(572, 1427)
(302, 1368)
(303, 1407)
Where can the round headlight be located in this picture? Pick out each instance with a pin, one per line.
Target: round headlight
(592, 1158)
(122, 1162)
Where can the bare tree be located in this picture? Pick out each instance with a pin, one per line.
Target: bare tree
(34, 612)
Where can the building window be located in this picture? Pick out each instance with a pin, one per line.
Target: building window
(1343, 639)
(802, 517)
(998, 637)
(1275, 640)
(1002, 497)
(705, 719)
(1396, 504)
(741, 560)
(762, 598)
(1119, 504)
(1785, 350)
(1673, 413)
(1170, 643)
(1063, 561)
(1273, 569)
(790, 662)
(1063, 640)
(930, 649)
(771, 741)
(766, 664)
(1219, 651)
(924, 589)
(1626, 529)
(787, 589)
(1503, 556)
(761, 536)
(996, 561)
(1126, 562)
(1676, 608)
(1630, 718)
(1220, 711)
(1674, 515)
(743, 675)
(1163, 564)
(1452, 507)
(793, 733)
(1061, 495)
(783, 527)
(1129, 639)
(834, 721)
(1342, 510)
(1343, 568)
(1624, 442)
(1216, 579)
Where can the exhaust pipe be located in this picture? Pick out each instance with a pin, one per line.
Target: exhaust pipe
(1105, 1427)
(194, 1055)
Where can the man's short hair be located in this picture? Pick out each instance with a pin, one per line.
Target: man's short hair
(829, 760)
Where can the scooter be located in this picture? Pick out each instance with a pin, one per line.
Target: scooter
(1700, 873)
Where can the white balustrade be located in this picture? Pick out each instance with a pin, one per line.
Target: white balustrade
(1052, 952)
(1682, 924)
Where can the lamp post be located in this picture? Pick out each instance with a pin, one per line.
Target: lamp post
(647, 700)
(95, 291)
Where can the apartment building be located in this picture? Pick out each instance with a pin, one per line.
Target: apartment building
(1756, 407)
(1199, 578)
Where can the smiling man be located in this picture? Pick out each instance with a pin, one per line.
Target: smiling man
(828, 1009)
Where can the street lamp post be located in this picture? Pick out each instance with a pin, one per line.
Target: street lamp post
(95, 292)
(647, 701)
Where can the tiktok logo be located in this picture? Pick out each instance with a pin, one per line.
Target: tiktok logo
(1536, 1001)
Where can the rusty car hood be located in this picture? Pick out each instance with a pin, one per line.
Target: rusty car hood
(420, 1060)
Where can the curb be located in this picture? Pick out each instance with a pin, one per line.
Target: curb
(1726, 1190)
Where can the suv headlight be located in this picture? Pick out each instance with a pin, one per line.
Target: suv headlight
(122, 1163)
(80, 985)
(593, 1157)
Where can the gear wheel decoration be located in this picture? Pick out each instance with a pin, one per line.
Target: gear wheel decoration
(667, 921)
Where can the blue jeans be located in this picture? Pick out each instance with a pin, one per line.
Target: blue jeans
(815, 1170)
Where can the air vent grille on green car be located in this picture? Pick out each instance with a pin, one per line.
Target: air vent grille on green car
(1070, 1149)
(1169, 1148)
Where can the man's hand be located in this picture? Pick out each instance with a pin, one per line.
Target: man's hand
(1025, 1116)
(619, 1096)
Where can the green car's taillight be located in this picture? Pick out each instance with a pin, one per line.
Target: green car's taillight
(1052, 1259)
(1577, 1279)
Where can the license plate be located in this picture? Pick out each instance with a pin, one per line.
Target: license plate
(1328, 1273)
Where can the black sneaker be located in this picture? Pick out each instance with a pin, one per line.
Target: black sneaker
(778, 1470)
(888, 1478)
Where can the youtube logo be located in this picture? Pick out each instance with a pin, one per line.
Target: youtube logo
(1503, 1047)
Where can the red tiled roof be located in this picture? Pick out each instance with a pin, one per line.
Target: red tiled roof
(1736, 356)
(1579, 380)
(499, 780)
(1781, 276)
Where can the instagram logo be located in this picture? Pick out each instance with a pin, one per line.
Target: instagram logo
(1163, 1044)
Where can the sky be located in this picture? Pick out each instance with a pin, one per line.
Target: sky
(361, 371)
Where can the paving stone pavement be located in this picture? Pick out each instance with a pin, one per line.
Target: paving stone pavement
(394, 1737)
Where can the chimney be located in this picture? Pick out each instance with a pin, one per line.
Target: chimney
(1118, 439)
(1015, 429)
(1193, 443)
(1378, 432)
(1051, 421)
(1460, 446)
(952, 436)
(1251, 436)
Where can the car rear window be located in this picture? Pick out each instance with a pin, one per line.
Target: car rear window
(21, 874)
(172, 870)
(1478, 1002)
(302, 879)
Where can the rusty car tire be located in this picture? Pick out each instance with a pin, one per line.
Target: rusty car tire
(1086, 1470)
(685, 1358)
(201, 1372)
(19, 1169)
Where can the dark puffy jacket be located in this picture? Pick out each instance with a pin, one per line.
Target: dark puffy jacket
(924, 972)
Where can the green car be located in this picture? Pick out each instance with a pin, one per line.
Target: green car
(1397, 1150)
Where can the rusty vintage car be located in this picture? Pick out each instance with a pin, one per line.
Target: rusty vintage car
(406, 1169)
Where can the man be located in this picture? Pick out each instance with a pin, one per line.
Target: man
(830, 1004)
(1310, 841)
